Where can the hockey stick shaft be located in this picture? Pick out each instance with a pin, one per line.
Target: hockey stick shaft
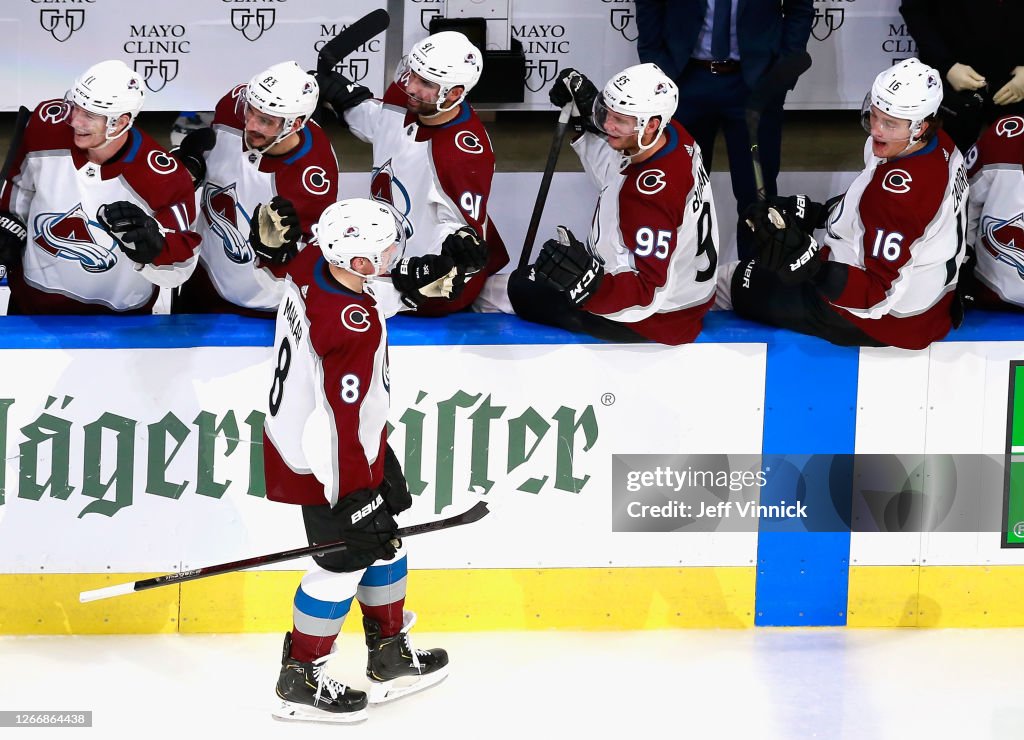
(354, 36)
(776, 81)
(474, 513)
(20, 122)
(545, 184)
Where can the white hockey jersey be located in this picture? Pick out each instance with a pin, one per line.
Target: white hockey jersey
(655, 230)
(236, 182)
(900, 231)
(996, 211)
(329, 392)
(437, 178)
(70, 263)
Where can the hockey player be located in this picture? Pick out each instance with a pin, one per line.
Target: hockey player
(432, 161)
(95, 215)
(894, 243)
(647, 272)
(995, 229)
(267, 172)
(325, 449)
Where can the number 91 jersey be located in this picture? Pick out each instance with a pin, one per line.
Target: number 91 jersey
(328, 392)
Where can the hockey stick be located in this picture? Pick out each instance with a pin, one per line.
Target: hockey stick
(20, 122)
(775, 82)
(474, 513)
(545, 183)
(354, 36)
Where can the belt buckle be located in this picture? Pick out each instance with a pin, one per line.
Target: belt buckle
(714, 66)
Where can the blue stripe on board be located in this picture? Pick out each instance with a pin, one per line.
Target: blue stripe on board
(385, 575)
(321, 609)
(810, 409)
(117, 332)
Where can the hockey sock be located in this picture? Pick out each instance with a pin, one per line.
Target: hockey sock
(381, 593)
(322, 601)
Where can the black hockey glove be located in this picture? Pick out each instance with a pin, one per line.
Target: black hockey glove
(13, 236)
(467, 250)
(339, 92)
(808, 214)
(190, 153)
(395, 488)
(782, 246)
(572, 86)
(135, 231)
(274, 231)
(420, 278)
(569, 267)
(367, 527)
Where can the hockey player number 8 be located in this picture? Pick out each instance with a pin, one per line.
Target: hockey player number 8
(284, 361)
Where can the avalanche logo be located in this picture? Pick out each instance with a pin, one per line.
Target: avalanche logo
(315, 180)
(355, 318)
(650, 182)
(468, 142)
(67, 236)
(897, 181)
(56, 112)
(386, 188)
(1005, 240)
(220, 208)
(1010, 127)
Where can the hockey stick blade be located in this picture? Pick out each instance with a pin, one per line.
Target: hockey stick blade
(475, 513)
(545, 183)
(778, 79)
(354, 36)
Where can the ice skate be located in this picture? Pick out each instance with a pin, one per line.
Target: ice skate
(308, 694)
(395, 668)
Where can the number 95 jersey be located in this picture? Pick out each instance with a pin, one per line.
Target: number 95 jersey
(656, 233)
(328, 389)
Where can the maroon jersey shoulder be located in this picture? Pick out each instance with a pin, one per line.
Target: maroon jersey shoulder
(654, 192)
(1000, 143)
(228, 111)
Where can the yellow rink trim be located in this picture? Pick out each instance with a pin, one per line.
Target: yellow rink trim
(936, 596)
(445, 600)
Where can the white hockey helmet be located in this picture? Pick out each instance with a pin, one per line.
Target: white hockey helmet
(110, 89)
(642, 91)
(910, 90)
(359, 227)
(447, 59)
(285, 91)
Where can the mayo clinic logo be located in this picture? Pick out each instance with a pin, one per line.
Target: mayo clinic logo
(540, 73)
(252, 23)
(156, 73)
(61, 23)
(355, 69)
(623, 20)
(826, 21)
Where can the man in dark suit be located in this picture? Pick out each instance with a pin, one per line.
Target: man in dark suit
(716, 51)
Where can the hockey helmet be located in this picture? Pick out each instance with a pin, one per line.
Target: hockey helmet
(449, 60)
(109, 89)
(284, 91)
(642, 91)
(358, 227)
(910, 90)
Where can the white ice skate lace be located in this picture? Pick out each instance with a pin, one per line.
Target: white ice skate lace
(415, 654)
(334, 688)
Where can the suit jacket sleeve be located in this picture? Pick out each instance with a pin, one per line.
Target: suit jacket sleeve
(927, 33)
(651, 43)
(798, 17)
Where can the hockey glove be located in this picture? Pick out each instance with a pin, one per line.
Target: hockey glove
(274, 231)
(808, 214)
(340, 93)
(191, 153)
(573, 87)
(420, 278)
(13, 236)
(135, 231)
(467, 250)
(569, 267)
(367, 527)
(782, 246)
(395, 488)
